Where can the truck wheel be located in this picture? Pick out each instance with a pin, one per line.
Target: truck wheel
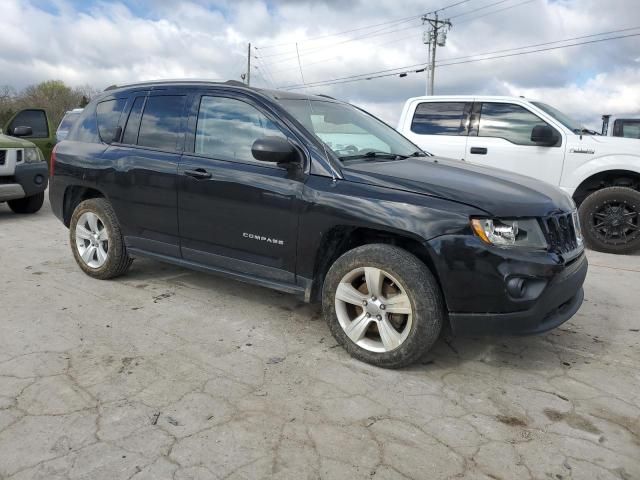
(96, 240)
(383, 305)
(27, 204)
(609, 220)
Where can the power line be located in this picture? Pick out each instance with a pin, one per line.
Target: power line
(494, 11)
(478, 9)
(406, 69)
(332, 57)
(399, 20)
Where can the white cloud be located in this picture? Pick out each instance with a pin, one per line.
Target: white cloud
(109, 42)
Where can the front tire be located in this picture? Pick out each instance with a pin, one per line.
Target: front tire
(610, 220)
(96, 240)
(383, 305)
(30, 204)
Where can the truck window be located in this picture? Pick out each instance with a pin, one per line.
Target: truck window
(36, 119)
(227, 128)
(508, 121)
(628, 128)
(440, 118)
(161, 122)
(108, 115)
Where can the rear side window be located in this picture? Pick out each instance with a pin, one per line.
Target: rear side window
(626, 128)
(227, 129)
(508, 121)
(440, 118)
(108, 115)
(36, 119)
(133, 122)
(161, 121)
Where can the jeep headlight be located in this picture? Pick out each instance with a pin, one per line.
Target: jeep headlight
(509, 233)
(33, 155)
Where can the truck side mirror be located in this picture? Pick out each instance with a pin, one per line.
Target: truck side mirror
(274, 150)
(544, 135)
(22, 132)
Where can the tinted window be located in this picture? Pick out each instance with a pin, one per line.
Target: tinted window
(108, 114)
(36, 119)
(86, 128)
(160, 123)
(435, 118)
(511, 122)
(626, 128)
(133, 123)
(227, 128)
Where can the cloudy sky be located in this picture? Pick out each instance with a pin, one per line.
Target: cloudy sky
(105, 42)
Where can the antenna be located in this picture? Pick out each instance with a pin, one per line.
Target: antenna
(324, 147)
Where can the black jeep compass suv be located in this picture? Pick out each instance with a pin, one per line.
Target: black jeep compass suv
(315, 197)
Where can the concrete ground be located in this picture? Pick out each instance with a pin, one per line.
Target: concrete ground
(170, 374)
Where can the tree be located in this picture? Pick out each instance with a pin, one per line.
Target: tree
(52, 95)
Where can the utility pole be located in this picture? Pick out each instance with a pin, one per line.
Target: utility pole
(249, 65)
(436, 36)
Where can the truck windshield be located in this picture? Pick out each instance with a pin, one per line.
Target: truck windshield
(564, 119)
(349, 132)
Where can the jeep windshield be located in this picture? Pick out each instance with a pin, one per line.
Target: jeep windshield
(352, 134)
(563, 118)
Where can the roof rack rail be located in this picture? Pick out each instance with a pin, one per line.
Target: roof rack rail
(178, 80)
(326, 96)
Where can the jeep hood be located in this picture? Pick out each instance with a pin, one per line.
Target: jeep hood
(497, 192)
(13, 142)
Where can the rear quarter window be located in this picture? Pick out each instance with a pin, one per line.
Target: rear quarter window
(108, 115)
(86, 128)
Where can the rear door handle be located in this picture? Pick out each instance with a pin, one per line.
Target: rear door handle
(478, 150)
(198, 173)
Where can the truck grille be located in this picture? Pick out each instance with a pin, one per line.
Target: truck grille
(3, 157)
(560, 231)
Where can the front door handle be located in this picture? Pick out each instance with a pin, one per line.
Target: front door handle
(198, 173)
(478, 150)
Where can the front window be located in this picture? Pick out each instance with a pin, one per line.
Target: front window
(564, 119)
(350, 133)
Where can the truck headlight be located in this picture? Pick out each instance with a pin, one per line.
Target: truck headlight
(33, 155)
(509, 233)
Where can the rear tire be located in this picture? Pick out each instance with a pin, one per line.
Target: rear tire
(30, 204)
(383, 305)
(96, 240)
(610, 220)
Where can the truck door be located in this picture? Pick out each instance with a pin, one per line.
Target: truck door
(42, 133)
(439, 127)
(500, 137)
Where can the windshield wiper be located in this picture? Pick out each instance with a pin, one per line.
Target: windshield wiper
(584, 131)
(382, 156)
(376, 155)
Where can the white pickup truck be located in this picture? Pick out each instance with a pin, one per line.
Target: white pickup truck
(601, 173)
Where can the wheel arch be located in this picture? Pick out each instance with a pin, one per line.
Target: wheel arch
(613, 177)
(340, 239)
(73, 195)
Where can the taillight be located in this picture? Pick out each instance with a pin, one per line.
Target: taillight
(52, 161)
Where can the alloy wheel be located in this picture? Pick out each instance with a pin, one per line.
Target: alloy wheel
(616, 222)
(92, 240)
(373, 309)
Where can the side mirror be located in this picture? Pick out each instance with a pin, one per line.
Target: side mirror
(274, 150)
(544, 135)
(22, 132)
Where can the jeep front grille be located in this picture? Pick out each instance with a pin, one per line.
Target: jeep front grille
(3, 157)
(560, 232)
